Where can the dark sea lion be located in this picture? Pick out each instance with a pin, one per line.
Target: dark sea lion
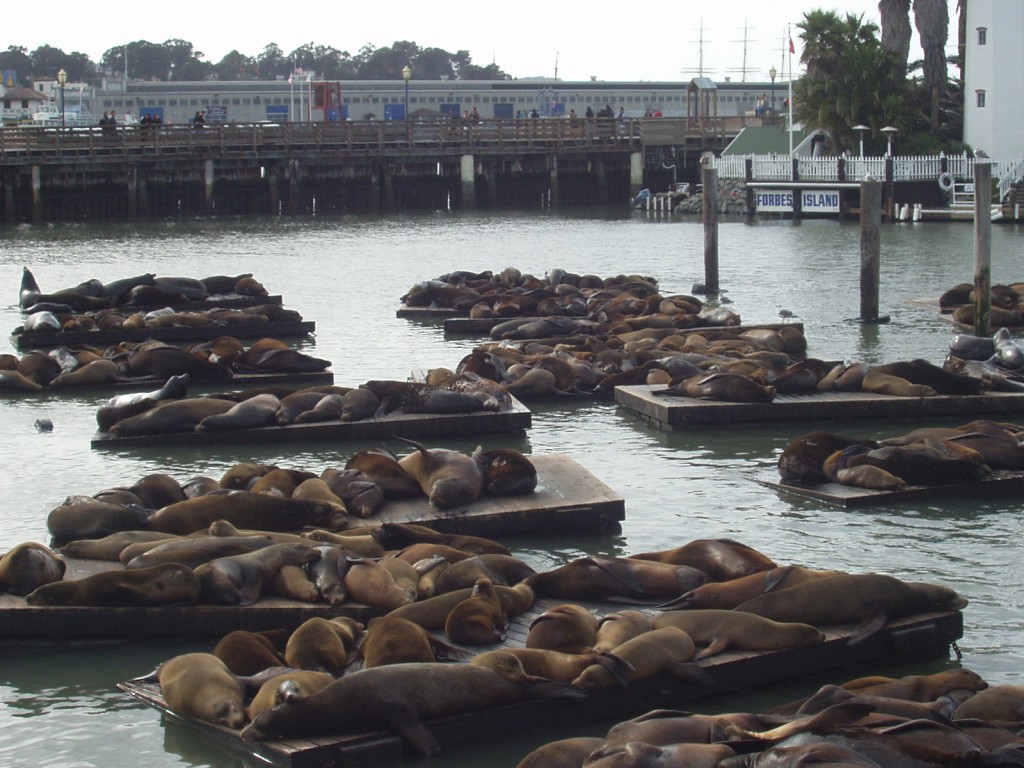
(91, 519)
(448, 478)
(721, 630)
(568, 628)
(324, 645)
(720, 559)
(828, 695)
(384, 470)
(281, 482)
(222, 284)
(260, 511)
(201, 687)
(27, 566)
(293, 405)
(802, 459)
(168, 584)
(161, 361)
(194, 551)
(643, 755)
(109, 547)
(247, 653)
(254, 412)
(96, 372)
(288, 686)
(725, 387)
(399, 535)
(18, 382)
(171, 416)
(497, 569)
(361, 497)
(39, 367)
(240, 579)
(920, 463)
(922, 372)
(107, 416)
(392, 697)
(729, 594)
(610, 578)
(853, 598)
(561, 753)
(242, 475)
(327, 409)
(507, 472)
(328, 574)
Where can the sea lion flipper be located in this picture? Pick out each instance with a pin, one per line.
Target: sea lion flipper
(404, 722)
(619, 667)
(867, 628)
(718, 645)
(776, 576)
(691, 673)
(618, 571)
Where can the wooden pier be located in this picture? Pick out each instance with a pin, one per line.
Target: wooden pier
(912, 639)
(674, 413)
(44, 339)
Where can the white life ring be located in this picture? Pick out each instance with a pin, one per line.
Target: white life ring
(946, 182)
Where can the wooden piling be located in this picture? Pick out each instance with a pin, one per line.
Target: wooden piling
(870, 247)
(709, 179)
(467, 174)
(982, 247)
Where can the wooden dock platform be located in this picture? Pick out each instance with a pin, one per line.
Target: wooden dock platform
(915, 638)
(246, 380)
(672, 413)
(430, 313)
(456, 325)
(46, 339)
(1001, 482)
(568, 497)
(516, 419)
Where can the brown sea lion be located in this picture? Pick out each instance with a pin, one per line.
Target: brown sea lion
(201, 687)
(507, 472)
(91, 519)
(561, 753)
(997, 703)
(392, 697)
(431, 613)
(802, 459)
(720, 559)
(569, 628)
(110, 547)
(242, 475)
(371, 582)
(292, 583)
(398, 535)
(919, 687)
(288, 686)
(168, 584)
(923, 373)
(604, 578)
(391, 639)
(193, 551)
(251, 413)
(497, 569)
(523, 664)
(721, 630)
(27, 566)
(96, 372)
(479, 619)
(729, 594)
(637, 754)
(724, 387)
(448, 478)
(616, 628)
(324, 645)
(247, 653)
(244, 509)
(887, 384)
(171, 416)
(384, 470)
(240, 579)
(652, 653)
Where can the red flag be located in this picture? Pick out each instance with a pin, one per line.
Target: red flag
(792, 49)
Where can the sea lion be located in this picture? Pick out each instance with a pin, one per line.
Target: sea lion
(939, 710)
(997, 703)
(919, 687)
(887, 384)
(391, 639)
(162, 361)
(110, 547)
(724, 387)
(872, 598)
(721, 630)
(171, 416)
(374, 583)
(92, 519)
(244, 509)
(194, 551)
(324, 645)
(802, 459)
(923, 373)
(384, 470)
(292, 583)
(432, 612)
(398, 535)
(201, 687)
(562, 753)
(919, 463)
(240, 579)
(396, 697)
(288, 686)
(361, 497)
(96, 372)
(497, 569)
(639, 754)
(27, 566)
(667, 649)
(507, 472)
(604, 578)
(524, 664)
(247, 653)
(720, 559)
(479, 619)
(251, 413)
(616, 628)
(17, 382)
(725, 595)
(167, 584)
(569, 628)
(448, 478)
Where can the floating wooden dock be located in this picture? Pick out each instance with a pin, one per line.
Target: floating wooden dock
(568, 497)
(669, 413)
(912, 639)
(46, 339)
(472, 326)
(430, 313)
(224, 301)
(1001, 482)
(248, 380)
(516, 419)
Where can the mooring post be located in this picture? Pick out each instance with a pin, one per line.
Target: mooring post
(37, 194)
(555, 199)
(467, 174)
(208, 179)
(982, 246)
(709, 180)
(870, 247)
(636, 173)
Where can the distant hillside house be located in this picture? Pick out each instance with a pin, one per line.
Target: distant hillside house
(994, 70)
(20, 103)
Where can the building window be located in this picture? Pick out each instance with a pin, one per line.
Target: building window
(982, 36)
(981, 98)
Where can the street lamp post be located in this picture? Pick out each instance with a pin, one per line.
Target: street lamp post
(62, 78)
(406, 76)
(860, 131)
(888, 131)
(772, 74)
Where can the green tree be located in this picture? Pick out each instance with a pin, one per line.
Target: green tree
(16, 59)
(272, 63)
(931, 17)
(236, 66)
(850, 79)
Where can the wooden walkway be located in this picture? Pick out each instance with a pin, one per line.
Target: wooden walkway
(673, 413)
(514, 420)
(1000, 482)
(45, 339)
(913, 639)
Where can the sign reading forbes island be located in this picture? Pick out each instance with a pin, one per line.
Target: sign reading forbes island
(811, 200)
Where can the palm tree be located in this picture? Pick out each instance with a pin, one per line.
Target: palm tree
(931, 17)
(895, 17)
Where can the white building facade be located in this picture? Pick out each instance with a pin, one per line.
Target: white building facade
(994, 78)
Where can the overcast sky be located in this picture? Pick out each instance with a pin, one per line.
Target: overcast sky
(526, 38)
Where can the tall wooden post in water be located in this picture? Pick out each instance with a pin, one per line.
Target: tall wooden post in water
(982, 246)
(709, 180)
(870, 248)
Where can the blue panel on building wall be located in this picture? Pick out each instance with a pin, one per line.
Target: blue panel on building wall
(277, 113)
(452, 110)
(503, 111)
